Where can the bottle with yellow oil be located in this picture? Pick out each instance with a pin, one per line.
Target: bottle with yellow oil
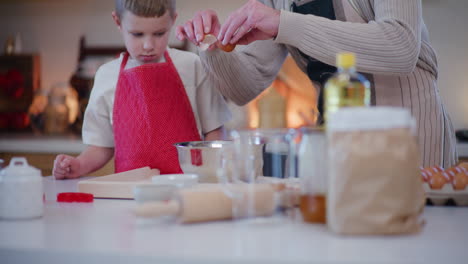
(346, 88)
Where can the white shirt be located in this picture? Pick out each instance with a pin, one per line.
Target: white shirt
(208, 105)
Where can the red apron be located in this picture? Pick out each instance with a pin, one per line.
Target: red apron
(151, 113)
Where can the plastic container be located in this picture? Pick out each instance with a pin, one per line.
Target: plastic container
(21, 191)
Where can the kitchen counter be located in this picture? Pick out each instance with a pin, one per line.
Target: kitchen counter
(72, 144)
(30, 143)
(106, 231)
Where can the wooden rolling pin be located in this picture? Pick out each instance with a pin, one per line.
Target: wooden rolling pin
(212, 203)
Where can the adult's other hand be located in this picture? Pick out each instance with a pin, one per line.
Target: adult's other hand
(253, 21)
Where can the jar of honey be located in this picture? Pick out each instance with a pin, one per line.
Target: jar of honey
(313, 174)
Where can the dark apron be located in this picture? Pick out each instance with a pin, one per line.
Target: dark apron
(317, 70)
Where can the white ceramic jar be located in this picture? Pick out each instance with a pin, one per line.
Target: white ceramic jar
(21, 191)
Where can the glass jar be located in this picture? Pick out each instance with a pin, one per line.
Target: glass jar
(259, 156)
(312, 161)
(56, 112)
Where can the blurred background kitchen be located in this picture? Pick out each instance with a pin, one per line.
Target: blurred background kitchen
(52, 48)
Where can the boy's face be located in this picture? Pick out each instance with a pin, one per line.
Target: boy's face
(145, 38)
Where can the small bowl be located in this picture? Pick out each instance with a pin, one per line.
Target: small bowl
(153, 192)
(200, 158)
(178, 180)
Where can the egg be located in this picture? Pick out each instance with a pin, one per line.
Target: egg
(438, 180)
(207, 41)
(425, 176)
(210, 39)
(460, 180)
(436, 169)
(227, 48)
(453, 171)
(463, 165)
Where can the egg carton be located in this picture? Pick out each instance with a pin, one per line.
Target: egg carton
(447, 193)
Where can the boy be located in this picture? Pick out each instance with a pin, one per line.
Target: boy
(147, 100)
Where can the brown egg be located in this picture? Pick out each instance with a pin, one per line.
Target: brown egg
(438, 180)
(455, 169)
(436, 169)
(425, 176)
(227, 48)
(451, 175)
(463, 165)
(460, 181)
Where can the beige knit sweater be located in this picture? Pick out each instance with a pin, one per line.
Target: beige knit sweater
(391, 42)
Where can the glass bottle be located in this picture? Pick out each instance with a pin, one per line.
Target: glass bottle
(56, 112)
(346, 88)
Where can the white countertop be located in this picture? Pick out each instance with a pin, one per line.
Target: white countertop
(106, 231)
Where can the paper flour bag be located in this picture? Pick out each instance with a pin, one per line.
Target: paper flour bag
(375, 186)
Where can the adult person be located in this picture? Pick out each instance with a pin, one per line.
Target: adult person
(389, 39)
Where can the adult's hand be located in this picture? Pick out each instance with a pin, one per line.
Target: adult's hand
(203, 22)
(253, 21)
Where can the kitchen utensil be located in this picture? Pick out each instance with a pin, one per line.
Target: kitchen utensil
(191, 205)
(259, 152)
(199, 157)
(119, 185)
(75, 197)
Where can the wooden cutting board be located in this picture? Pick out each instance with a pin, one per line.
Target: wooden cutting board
(119, 185)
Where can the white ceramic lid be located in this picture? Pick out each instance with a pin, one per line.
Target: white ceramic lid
(19, 167)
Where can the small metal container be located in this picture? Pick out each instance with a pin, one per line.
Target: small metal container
(200, 157)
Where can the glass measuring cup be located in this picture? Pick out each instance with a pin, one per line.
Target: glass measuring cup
(259, 156)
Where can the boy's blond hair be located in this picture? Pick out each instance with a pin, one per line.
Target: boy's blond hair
(145, 8)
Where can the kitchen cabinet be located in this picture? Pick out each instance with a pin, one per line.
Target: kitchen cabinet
(19, 79)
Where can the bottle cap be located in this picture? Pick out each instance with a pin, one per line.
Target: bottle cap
(75, 197)
(345, 60)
